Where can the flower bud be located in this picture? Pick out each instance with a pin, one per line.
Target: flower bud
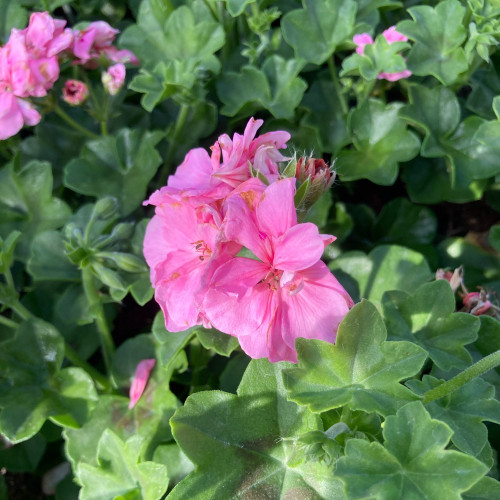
(477, 303)
(455, 278)
(75, 92)
(105, 208)
(140, 380)
(113, 78)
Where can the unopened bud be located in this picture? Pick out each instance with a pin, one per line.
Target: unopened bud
(105, 208)
(140, 380)
(75, 92)
(114, 78)
(455, 278)
(321, 175)
(477, 303)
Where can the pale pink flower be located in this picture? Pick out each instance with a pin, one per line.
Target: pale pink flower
(47, 37)
(140, 380)
(181, 241)
(391, 35)
(289, 292)
(205, 179)
(113, 78)
(97, 39)
(14, 113)
(75, 92)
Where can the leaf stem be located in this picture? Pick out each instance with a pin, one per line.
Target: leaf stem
(75, 358)
(178, 127)
(8, 322)
(21, 311)
(482, 366)
(61, 113)
(336, 84)
(107, 344)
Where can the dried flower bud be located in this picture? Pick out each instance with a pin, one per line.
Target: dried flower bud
(75, 92)
(477, 303)
(455, 278)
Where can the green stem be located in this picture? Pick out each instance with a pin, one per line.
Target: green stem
(60, 112)
(104, 127)
(9, 279)
(461, 379)
(336, 84)
(21, 311)
(179, 126)
(8, 322)
(107, 344)
(366, 93)
(74, 357)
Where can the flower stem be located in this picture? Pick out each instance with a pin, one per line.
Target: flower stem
(179, 126)
(61, 113)
(482, 366)
(107, 344)
(8, 322)
(336, 84)
(74, 357)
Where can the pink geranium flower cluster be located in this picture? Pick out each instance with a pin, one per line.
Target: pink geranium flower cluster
(391, 35)
(211, 210)
(29, 64)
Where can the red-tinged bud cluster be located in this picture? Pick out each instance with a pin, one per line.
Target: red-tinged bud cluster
(317, 170)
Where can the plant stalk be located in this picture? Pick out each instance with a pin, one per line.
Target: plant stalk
(477, 369)
(61, 113)
(336, 84)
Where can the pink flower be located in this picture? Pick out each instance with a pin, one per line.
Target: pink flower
(97, 39)
(47, 37)
(287, 293)
(391, 35)
(113, 79)
(14, 113)
(206, 179)
(75, 92)
(140, 380)
(181, 241)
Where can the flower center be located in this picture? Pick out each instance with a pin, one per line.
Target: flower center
(203, 249)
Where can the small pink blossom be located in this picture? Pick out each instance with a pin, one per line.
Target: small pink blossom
(140, 380)
(113, 78)
(289, 292)
(391, 35)
(75, 92)
(47, 37)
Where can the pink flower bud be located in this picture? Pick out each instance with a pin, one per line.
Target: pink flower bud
(317, 170)
(476, 303)
(140, 380)
(113, 78)
(75, 92)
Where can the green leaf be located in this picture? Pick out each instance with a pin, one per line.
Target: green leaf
(315, 31)
(48, 260)
(221, 343)
(120, 166)
(178, 465)
(485, 83)
(428, 318)
(32, 387)
(387, 267)
(361, 370)
(12, 15)
(438, 34)
(325, 114)
(485, 489)
(119, 474)
(464, 410)
(488, 338)
(236, 7)
(276, 88)
(234, 459)
(413, 462)
(27, 205)
(23, 457)
(380, 140)
(404, 223)
(7, 248)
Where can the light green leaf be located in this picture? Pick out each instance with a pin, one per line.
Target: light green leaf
(413, 462)
(221, 343)
(464, 410)
(119, 474)
(234, 459)
(438, 34)
(27, 204)
(276, 88)
(427, 317)
(315, 31)
(387, 267)
(119, 166)
(380, 140)
(361, 370)
(485, 489)
(236, 7)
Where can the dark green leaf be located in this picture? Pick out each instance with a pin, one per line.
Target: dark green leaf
(360, 370)
(427, 317)
(464, 410)
(119, 166)
(315, 31)
(221, 343)
(12, 15)
(413, 462)
(485, 489)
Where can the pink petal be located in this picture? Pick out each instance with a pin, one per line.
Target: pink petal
(11, 118)
(30, 115)
(393, 77)
(140, 380)
(391, 35)
(300, 247)
(40, 30)
(276, 210)
(362, 40)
